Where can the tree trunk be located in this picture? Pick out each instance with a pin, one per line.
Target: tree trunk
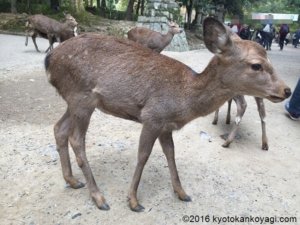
(28, 6)
(138, 7)
(77, 6)
(220, 12)
(13, 6)
(142, 7)
(98, 4)
(103, 8)
(129, 11)
(189, 10)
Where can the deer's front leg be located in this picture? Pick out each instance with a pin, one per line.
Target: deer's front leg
(34, 41)
(241, 106)
(262, 114)
(166, 141)
(61, 133)
(147, 139)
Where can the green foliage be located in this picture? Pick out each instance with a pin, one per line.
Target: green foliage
(277, 6)
(15, 25)
(110, 4)
(33, 8)
(122, 5)
(116, 32)
(5, 7)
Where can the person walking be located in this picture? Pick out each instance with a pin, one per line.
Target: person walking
(297, 37)
(245, 32)
(284, 30)
(268, 35)
(293, 105)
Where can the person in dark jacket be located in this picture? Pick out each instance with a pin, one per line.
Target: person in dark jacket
(245, 32)
(283, 31)
(296, 39)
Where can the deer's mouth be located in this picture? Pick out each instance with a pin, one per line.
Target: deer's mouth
(275, 99)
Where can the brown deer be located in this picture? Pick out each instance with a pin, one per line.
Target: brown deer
(54, 31)
(241, 106)
(153, 39)
(127, 80)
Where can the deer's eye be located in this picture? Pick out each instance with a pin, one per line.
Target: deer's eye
(256, 67)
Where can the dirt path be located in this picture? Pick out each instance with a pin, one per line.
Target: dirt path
(240, 181)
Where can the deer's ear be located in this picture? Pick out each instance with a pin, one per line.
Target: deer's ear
(216, 36)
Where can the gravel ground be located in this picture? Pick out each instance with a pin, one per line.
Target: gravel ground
(239, 181)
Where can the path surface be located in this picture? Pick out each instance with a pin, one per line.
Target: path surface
(242, 180)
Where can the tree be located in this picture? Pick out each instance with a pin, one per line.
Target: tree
(140, 7)
(189, 4)
(110, 6)
(13, 6)
(129, 11)
(77, 5)
(103, 8)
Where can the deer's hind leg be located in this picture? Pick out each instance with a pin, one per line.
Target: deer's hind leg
(80, 117)
(61, 133)
(241, 105)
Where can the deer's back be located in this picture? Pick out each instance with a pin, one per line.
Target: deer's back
(147, 38)
(43, 23)
(119, 72)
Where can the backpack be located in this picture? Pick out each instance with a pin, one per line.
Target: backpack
(284, 29)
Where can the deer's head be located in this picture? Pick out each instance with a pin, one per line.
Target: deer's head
(243, 65)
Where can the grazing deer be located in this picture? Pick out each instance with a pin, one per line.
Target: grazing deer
(241, 106)
(153, 39)
(54, 31)
(127, 80)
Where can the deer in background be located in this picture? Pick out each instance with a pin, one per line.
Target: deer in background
(54, 31)
(153, 39)
(127, 80)
(241, 106)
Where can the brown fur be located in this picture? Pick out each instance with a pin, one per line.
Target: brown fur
(152, 39)
(48, 28)
(125, 79)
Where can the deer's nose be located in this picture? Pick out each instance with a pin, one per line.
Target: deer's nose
(287, 92)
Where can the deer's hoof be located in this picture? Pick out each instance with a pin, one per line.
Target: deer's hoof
(224, 136)
(104, 206)
(265, 147)
(75, 184)
(225, 145)
(186, 198)
(78, 185)
(138, 208)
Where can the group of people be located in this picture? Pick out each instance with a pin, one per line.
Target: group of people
(266, 34)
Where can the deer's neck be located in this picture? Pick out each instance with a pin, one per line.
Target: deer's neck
(209, 91)
(167, 38)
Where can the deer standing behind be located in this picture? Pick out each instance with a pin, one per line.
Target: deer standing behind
(54, 31)
(241, 106)
(127, 80)
(153, 39)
